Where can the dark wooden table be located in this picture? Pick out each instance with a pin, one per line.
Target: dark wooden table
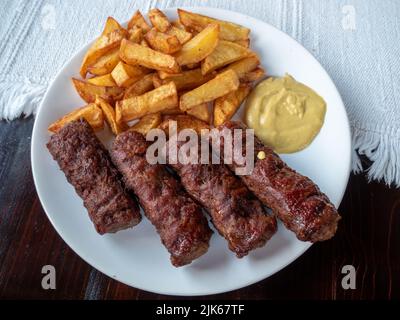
(368, 239)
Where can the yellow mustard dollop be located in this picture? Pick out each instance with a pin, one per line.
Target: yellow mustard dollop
(285, 114)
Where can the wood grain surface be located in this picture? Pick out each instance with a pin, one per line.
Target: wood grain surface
(368, 238)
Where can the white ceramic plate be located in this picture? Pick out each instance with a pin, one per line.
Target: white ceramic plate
(135, 256)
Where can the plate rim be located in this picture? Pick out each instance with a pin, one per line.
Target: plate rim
(172, 292)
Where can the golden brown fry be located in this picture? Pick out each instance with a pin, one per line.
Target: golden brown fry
(101, 46)
(182, 35)
(221, 85)
(105, 64)
(174, 111)
(199, 47)
(91, 113)
(88, 91)
(162, 42)
(157, 100)
(254, 75)
(201, 112)
(105, 80)
(225, 53)
(244, 66)
(157, 82)
(228, 31)
(178, 24)
(144, 43)
(135, 34)
(243, 43)
(138, 21)
(125, 75)
(166, 75)
(183, 122)
(159, 20)
(188, 80)
(145, 124)
(109, 114)
(225, 107)
(111, 25)
(193, 65)
(140, 87)
(133, 53)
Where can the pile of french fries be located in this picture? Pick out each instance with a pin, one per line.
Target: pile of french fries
(196, 70)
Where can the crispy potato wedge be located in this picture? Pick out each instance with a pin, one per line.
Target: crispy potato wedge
(188, 80)
(174, 111)
(106, 81)
(221, 85)
(254, 75)
(201, 112)
(183, 122)
(144, 43)
(157, 100)
(191, 66)
(101, 46)
(157, 82)
(225, 53)
(106, 63)
(111, 25)
(135, 34)
(243, 43)
(145, 124)
(140, 87)
(166, 75)
(182, 35)
(133, 53)
(159, 20)
(91, 113)
(178, 24)
(88, 91)
(162, 42)
(138, 21)
(244, 66)
(109, 114)
(228, 30)
(125, 75)
(199, 47)
(225, 107)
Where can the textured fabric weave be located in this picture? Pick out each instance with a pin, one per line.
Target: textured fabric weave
(357, 41)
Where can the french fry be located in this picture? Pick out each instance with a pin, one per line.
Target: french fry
(200, 112)
(188, 80)
(133, 53)
(191, 66)
(174, 111)
(182, 35)
(228, 30)
(105, 64)
(88, 91)
(183, 122)
(106, 81)
(125, 75)
(243, 43)
(162, 42)
(135, 34)
(138, 21)
(157, 82)
(166, 75)
(221, 85)
(109, 114)
(159, 20)
(225, 107)
(199, 47)
(91, 113)
(111, 25)
(225, 53)
(157, 100)
(102, 45)
(178, 24)
(140, 87)
(244, 66)
(254, 75)
(144, 43)
(145, 124)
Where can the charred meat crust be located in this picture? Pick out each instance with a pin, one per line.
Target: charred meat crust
(88, 167)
